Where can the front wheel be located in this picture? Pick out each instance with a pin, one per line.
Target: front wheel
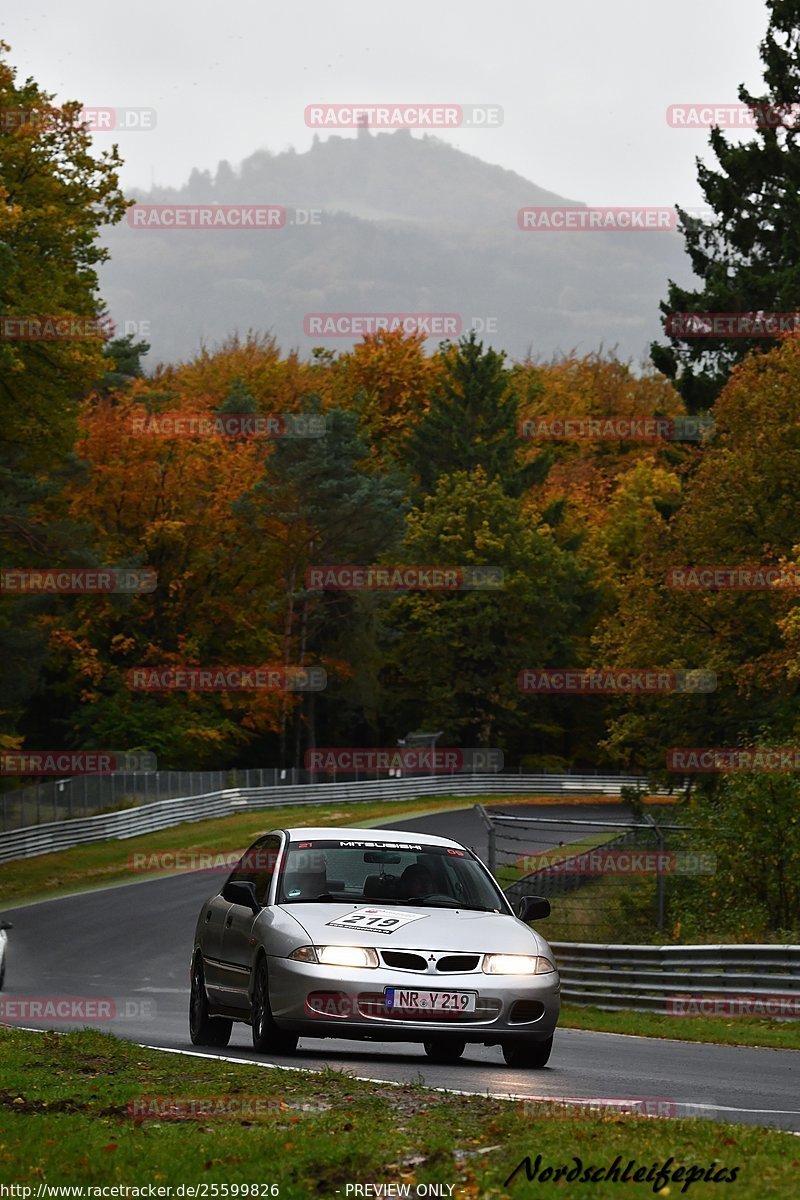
(267, 1037)
(529, 1054)
(205, 1030)
(441, 1050)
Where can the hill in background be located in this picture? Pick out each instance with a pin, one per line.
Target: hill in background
(406, 224)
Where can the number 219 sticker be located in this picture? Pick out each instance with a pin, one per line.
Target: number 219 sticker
(379, 920)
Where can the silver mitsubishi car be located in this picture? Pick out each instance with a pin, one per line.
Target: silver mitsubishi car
(372, 934)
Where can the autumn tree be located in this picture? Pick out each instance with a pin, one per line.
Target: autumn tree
(55, 197)
(741, 508)
(388, 377)
(169, 503)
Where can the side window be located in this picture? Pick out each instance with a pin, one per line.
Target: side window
(257, 865)
(264, 866)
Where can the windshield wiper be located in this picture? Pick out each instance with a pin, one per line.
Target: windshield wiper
(327, 897)
(452, 904)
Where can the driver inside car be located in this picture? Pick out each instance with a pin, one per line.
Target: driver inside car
(416, 880)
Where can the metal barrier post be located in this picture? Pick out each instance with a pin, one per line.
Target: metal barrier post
(489, 823)
(660, 905)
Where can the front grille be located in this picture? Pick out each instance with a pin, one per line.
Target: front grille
(458, 962)
(371, 1004)
(448, 964)
(403, 960)
(526, 1010)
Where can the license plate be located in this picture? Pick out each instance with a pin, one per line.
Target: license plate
(414, 1000)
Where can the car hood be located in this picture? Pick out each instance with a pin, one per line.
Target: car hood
(423, 928)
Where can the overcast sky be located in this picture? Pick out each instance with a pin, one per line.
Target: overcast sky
(584, 86)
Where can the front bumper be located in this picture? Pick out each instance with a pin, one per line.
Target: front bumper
(321, 1001)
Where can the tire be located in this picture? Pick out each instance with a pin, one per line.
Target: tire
(530, 1054)
(442, 1050)
(205, 1030)
(267, 1037)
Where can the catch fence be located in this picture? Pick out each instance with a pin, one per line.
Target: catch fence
(609, 876)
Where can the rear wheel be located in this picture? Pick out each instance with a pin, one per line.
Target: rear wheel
(529, 1054)
(442, 1050)
(267, 1037)
(204, 1029)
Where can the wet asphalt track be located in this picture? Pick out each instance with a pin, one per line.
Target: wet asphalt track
(132, 943)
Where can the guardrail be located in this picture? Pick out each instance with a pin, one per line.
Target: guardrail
(164, 814)
(679, 980)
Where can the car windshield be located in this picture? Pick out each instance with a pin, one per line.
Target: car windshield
(386, 872)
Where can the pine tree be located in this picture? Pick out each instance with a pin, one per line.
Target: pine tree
(239, 400)
(124, 357)
(472, 422)
(747, 255)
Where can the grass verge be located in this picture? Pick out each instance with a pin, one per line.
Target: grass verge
(736, 1031)
(65, 1119)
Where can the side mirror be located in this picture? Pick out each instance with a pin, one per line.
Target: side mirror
(6, 925)
(242, 892)
(533, 908)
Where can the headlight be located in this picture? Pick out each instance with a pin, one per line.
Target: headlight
(516, 964)
(337, 956)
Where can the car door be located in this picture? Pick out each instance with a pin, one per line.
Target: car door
(212, 925)
(238, 940)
